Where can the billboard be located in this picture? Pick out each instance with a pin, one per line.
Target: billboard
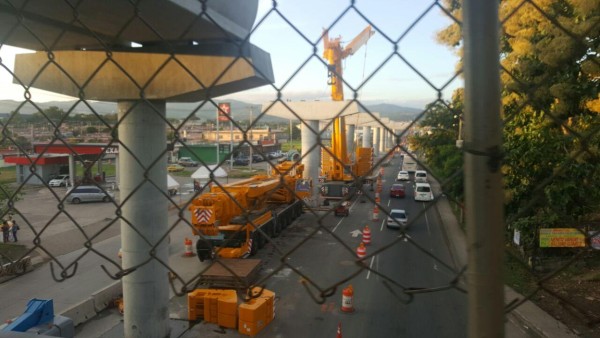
(561, 238)
(223, 110)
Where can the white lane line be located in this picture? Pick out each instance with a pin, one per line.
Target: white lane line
(340, 222)
(382, 223)
(370, 266)
(427, 221)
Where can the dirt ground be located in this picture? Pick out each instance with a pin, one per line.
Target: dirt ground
(573, 297)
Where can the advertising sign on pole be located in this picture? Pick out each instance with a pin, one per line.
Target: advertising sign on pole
(223, 111)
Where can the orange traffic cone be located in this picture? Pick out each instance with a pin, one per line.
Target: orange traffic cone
(347, 306)
(361, 251)
(375, 213)
(188, 248)
(339, 331)
(366, 235)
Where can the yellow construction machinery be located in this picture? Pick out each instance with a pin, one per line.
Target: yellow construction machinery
(235, 220)
(338, 169)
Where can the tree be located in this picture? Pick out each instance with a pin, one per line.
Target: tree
(437, 144)
(551, 108)
(91, 130)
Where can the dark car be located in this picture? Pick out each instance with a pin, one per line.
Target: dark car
(257, 158)
(397, 190)
(343, 209)
(241, 161)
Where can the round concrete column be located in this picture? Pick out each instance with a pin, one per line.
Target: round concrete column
(377, 141)
(311, 158)
(142, 133)
(350, 141)
(383, 140)
(367, 141)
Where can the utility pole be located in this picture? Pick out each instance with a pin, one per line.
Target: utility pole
(483, 177)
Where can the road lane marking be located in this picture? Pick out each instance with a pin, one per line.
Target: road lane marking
(382, 223)
(427, 221)
(370, 267)
(340, 222)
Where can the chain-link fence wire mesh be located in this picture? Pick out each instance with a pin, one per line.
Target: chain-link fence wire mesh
(558, 106)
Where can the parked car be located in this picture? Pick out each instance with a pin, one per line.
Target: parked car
(59, 181)
(88, 193)
(421, 176)
(397, 190)
(187, 162)
(397, 219)
(175, 167)
(403, 176)
(242, 160)
(257, 158)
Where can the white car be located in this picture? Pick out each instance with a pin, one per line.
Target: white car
(403, 176)
(59, 181)
(397, 219)
(423, 192)
(421, 176)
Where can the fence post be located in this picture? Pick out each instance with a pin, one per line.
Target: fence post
(483, 186)
(142, 134)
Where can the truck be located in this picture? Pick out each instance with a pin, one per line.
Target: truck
(237, 219)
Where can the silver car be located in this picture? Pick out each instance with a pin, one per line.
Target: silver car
(88, 193)
(397, 219)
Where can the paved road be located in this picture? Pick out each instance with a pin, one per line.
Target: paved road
(381, 309)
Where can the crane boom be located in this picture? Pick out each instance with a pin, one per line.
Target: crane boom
(334, 54)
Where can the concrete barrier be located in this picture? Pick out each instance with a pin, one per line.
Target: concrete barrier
(105, 297)
(82, 312)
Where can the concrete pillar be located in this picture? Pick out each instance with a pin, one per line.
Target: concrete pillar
(311, 158)
(146, 290)
(383, 140)
(376, 141)
(367, 141)
(350, 141)
(72, 170)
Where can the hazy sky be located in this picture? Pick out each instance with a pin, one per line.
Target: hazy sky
(391, 81)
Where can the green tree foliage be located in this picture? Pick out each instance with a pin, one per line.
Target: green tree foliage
(438, 143)
(551, 109)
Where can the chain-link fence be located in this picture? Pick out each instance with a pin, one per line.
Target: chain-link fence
(148, 55)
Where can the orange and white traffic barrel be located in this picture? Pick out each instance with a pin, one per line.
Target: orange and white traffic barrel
(347, 300)
(375, 213)
(361, 251)
(366, 235)
(188, 248)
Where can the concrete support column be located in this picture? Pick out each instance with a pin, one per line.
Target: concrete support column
(377, 141)
(146, 290)
(350, 141)
(383, 140)
(311, 155)
(367, 141)
(72, 170)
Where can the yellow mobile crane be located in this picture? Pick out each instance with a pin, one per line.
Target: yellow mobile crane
(337, 169)
(229, 216)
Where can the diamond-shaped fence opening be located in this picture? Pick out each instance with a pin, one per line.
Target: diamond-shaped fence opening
(233, 86)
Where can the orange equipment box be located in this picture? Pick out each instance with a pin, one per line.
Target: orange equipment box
(256, 313)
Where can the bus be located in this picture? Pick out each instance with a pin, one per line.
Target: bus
(409, 164)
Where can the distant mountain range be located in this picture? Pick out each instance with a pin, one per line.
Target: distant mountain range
(241, 110)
